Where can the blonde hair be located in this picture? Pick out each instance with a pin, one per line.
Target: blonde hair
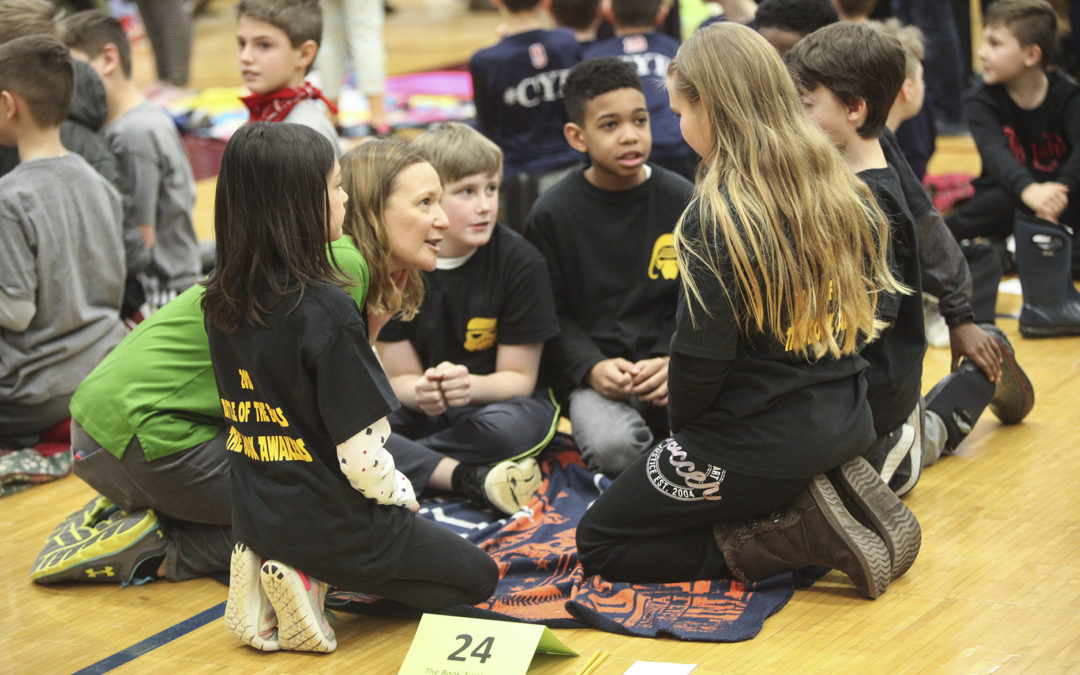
(458, 151)
(804, 236)
(27, 17)
(910, 38)
(369, 175)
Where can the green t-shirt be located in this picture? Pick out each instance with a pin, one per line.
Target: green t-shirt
(158, 383)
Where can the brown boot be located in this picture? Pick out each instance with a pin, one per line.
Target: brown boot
(813, 529)
(874, 504)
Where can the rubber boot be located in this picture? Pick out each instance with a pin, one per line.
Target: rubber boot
(815, 528)
(959, 399)
(1043, 259)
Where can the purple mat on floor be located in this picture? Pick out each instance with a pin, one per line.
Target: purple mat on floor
(542, 582)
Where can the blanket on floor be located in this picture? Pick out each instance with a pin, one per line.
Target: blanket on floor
(50, 459)
(542, 582)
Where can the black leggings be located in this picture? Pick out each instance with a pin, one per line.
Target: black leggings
(439, 569)
(654, 524)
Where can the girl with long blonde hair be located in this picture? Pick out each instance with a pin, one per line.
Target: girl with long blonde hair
(780, 265)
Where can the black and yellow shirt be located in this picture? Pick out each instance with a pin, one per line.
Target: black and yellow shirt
(500, 295)
(611, 257)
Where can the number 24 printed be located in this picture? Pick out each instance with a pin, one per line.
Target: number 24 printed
(481, 652)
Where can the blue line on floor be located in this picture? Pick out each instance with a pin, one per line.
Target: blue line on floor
(154, 641)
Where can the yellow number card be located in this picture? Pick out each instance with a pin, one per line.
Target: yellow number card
(451, 645)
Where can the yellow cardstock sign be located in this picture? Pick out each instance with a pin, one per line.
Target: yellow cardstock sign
(452, 645)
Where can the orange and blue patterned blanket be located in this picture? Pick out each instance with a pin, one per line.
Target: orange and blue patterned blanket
(542, 582)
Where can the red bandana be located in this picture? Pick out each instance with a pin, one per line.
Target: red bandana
(275, 106)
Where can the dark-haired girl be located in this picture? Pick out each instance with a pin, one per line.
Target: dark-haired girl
(317, 499)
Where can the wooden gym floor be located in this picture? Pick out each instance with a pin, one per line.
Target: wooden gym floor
(995, 589)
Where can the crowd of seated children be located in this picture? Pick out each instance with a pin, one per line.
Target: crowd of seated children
(1026, 125)
(278, 41)
(61, 247)
(148, 429)
(605, 231)
(151, 156)
(849, 75)
(637, 41)
(465, 367)
(81, 133)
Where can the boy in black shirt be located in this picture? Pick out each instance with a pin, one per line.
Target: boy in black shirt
(606, 234)
(1026, 125)
(849, 75)
(465, 368)
(637, 41)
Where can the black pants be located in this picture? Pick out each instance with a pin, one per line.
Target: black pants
(991, 212)
(438, 570)
(654, 524)
(513, 429)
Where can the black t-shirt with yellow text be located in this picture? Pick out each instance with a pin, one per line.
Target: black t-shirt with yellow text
(500, 295)
(291, 392)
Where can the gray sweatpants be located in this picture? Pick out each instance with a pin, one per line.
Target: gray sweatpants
(189, 490)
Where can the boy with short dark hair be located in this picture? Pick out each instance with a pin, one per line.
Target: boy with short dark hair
(1026, 125)
(151, 155)
(517, 88)
(785, 22)
(849, 75)
(465, 368)
(60, 247)
(638, 42)
(278, 41)
(606, 232)
(580, 16)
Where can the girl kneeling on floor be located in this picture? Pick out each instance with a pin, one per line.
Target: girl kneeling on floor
(316, 498)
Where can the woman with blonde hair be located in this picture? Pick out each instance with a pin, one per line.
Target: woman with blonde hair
(780, 263)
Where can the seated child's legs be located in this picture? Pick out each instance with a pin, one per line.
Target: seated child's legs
(513, 429)
(610, 434)
(439, 569)
(638, 530)
(23, 424)
(417, 462)
(987, 214)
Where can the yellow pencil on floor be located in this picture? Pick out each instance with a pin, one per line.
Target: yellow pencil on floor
(593, 663)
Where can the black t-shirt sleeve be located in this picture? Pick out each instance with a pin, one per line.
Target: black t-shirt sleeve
(351, 387)
(998, 162)
(1070, 172)
(528, 314)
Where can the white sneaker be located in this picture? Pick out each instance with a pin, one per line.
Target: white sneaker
(249, 616)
